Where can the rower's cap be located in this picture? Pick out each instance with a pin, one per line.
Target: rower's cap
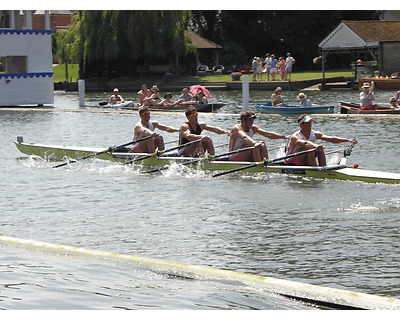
(247, 115)
(116, 90)
(305, 119)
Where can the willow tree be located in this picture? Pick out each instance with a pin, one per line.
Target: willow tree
(67, 46)
(114, 43)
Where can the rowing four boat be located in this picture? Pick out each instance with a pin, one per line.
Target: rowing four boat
(339, 171)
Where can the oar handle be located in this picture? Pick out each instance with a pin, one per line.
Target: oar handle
(208, 158)
(159, 153)
(268, 162)
(264, 163)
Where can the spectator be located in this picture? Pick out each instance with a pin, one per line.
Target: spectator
(289, 65)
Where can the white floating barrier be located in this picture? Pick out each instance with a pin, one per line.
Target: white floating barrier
(323, 296)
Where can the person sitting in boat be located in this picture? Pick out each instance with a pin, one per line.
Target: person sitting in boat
(304, 139)
(186, 98)
(241, 136)
(191, 131)
(398, 97)
(304, 102)
(276, 98)
(367, 98)
(200, 98)
(143, 93)
(144, 128)
(154, 98)
(167, 102)
(393, 103)
(116, 98)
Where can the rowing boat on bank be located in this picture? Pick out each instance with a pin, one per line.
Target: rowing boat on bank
(355, 108)
(286, 109)
(339, 171)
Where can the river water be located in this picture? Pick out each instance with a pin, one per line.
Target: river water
(338, 234)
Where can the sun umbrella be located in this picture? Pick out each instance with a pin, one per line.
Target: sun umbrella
(194, 89)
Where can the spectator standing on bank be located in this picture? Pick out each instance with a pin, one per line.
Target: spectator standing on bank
(289, 65)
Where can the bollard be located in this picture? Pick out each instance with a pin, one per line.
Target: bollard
(81, 90)
(245, 92)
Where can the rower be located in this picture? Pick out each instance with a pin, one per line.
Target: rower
(145, 127)
(242, 136)
(191, 131)
(304, 139)
(116, 97)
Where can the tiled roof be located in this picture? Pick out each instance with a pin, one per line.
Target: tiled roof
(200, 42)
(375, 30)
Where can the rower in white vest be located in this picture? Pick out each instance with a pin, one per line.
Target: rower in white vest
(304, 139)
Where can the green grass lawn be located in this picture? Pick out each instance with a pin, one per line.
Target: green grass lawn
(59, 72)
(59, 75)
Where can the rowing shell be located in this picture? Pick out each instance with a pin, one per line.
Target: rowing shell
(339, 172)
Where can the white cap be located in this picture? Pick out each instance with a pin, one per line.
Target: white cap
(305, 119)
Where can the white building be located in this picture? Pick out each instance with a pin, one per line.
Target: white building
(26, 67)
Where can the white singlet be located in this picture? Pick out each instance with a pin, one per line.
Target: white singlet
(238, 143)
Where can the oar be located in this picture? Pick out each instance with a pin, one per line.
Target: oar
(110, 149)
(207, 158)
(172, 141)
(103, 103)
(347, 152)
(264, 163)
(159, 153)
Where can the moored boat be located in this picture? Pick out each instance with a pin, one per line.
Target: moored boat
(382, 83)
(339, 171)
(209, 107)
(126, 104)
(355, 108)
(286, 109)
(130, 105)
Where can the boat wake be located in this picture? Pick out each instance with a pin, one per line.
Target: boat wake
(381, 206)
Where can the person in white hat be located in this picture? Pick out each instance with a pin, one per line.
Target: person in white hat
(116, 98)
(304, 139)
(367, 98)
(154, 98)
(304, 102)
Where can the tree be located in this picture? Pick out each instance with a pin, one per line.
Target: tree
(113, 43)
(273, 31)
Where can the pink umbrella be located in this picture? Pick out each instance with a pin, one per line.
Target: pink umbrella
(196, 88)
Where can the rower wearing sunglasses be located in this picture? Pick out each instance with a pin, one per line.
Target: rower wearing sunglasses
(192, 131)
(144, 128)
